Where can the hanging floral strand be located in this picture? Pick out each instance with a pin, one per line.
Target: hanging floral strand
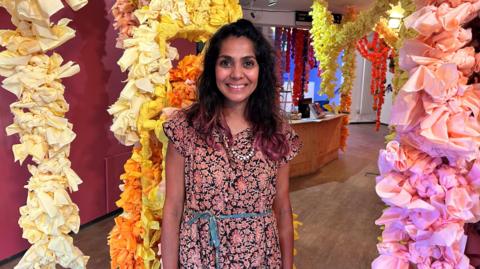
(278, 55)
(299, 66)
(283, 55)
(306, 62)
(288, 53)
(376, 52)
(329, 39)
(348, 72)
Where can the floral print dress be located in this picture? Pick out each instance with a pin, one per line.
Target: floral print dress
(224, 186)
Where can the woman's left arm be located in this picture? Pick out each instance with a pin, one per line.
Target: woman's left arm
(283, 213)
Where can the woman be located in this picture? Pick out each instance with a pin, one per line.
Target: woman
(227, 202)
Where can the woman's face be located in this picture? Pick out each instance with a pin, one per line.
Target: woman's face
(236, 70)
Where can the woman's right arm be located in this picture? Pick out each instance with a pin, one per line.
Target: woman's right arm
(173, 207)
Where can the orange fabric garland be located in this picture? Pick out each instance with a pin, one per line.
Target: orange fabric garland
(126, 234)
(376, 52)
(183, 80)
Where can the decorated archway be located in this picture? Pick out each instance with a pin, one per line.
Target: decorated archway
(151, 88)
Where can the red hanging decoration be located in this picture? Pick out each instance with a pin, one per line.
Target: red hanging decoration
(299, 65)
(306, 62)
(377, 53)
(283, 49)
(289, 49)
(311, 60)
(278, 55)
(307, 78)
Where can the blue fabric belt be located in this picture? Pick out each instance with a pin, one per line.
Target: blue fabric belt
(213, 227)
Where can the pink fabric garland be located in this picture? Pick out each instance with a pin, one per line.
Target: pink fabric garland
(430, 175)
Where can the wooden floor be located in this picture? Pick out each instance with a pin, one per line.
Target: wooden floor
(337, 205)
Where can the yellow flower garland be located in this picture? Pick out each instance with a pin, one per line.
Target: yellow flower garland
(329, 39)
(323, 33)
(348, 71)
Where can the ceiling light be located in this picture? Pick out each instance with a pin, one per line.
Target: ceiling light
(394, 23)
(271, 3)
(396, 14)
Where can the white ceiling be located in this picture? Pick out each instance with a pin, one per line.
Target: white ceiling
(336, 6)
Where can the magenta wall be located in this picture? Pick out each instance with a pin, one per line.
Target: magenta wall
(95, 154)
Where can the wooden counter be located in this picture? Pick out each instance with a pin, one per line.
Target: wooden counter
(321, 142)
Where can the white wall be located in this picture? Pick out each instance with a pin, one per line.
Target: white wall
(387, 105)
(264, 17)
(362, 101)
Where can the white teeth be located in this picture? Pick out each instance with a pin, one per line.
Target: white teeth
(236, 86)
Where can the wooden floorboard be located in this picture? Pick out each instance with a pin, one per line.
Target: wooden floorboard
(337, 205)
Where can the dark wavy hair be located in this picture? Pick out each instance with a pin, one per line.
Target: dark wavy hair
(263, 108)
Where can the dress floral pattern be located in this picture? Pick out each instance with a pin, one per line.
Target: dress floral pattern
(222, 185)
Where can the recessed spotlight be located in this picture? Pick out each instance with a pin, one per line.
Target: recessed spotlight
(271, 3)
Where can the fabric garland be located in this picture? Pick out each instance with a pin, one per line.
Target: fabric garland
(330, 39)
(278, 55)
(299, 72)
(45, 134)
(289, 49)
(377, 52)
(125, 21)
(429, 173)
(348, 72)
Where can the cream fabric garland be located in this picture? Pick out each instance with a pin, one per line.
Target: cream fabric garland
(45, 135)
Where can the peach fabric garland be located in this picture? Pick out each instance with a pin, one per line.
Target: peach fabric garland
(125, 21)
(429, 175)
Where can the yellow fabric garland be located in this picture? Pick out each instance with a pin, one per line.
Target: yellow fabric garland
(45, 134)
(329, 39)
(348, 71)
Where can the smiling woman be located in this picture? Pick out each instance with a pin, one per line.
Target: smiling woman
(236, 71)
(227, 203)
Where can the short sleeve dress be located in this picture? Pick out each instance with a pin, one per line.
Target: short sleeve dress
(218, 187)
